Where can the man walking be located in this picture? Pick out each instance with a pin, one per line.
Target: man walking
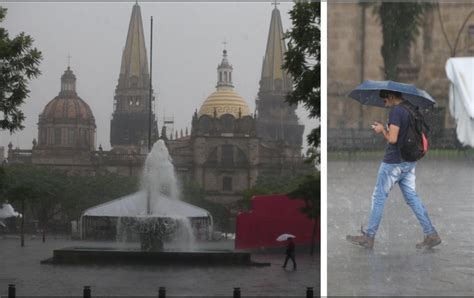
(394, 170)
(290, 253)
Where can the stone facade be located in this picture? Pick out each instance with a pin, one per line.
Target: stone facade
(354, 55)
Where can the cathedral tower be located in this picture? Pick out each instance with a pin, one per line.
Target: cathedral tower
(276, 121)
(129, 124)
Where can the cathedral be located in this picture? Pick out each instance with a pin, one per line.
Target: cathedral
(225, 152)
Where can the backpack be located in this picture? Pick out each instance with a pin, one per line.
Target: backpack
(415, 144)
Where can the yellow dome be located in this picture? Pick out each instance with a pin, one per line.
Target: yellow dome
(224, 101)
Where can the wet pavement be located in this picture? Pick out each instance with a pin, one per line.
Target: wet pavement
(395, 267)
(21, 266)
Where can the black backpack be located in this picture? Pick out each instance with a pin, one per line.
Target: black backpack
(415, 144)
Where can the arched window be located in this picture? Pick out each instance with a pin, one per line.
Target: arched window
(227, 159)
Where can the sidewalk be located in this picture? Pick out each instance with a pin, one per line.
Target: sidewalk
(395, 266)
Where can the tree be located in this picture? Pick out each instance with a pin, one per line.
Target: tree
(193, 194)
(18, 64)
(302, 62)
(400, 26)
(309, 190)
(54, 197)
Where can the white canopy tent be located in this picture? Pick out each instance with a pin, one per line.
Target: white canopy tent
(6, 211)
(460, 71)
(134, 206)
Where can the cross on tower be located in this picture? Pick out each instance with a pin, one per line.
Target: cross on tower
(275, 3)
(68, 60)
(225, 44)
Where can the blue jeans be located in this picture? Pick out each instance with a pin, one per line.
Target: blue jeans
(403, 174)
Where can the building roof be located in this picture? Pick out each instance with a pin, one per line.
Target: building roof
(224, 100)
(134, 205)
(68, 106)
(274, 58)
(134, 57)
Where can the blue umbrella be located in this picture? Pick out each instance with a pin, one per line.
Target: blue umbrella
(367, 93)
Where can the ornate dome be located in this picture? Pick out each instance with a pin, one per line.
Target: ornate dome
(68, 109)
(224, 100)
(67, 106)
(67, 121)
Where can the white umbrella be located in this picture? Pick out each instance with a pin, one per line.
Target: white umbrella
(284, 237)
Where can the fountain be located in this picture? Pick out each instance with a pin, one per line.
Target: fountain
(156, 218)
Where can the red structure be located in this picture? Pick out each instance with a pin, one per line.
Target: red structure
(269, 217)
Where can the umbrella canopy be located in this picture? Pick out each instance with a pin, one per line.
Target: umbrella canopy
(284, 237)
(368, 93)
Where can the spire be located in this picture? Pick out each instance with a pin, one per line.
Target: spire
(134, 56)
(224, 72)
(274, 79)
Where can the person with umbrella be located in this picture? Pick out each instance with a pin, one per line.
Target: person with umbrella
(290, 252)
(393, 168)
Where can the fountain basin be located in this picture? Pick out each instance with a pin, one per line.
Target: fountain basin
(113, 256)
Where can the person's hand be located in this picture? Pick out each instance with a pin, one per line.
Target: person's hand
(377, 127)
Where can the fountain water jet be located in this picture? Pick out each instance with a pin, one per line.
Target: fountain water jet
(156, 214)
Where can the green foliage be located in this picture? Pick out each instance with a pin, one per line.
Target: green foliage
(267, 185)
(309, 190)
(302, 62)
(400, 26)
(18, 64)
(193, 194)
(52, 194)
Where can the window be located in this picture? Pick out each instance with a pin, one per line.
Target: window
(71, 136)
(57, 136)
(227, 159)
(227, 184)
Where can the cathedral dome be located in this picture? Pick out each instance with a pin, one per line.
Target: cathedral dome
(72, 109)
(224, 101)
(67, 120)
(67, 106)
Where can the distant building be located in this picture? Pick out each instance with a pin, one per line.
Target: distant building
(227, 149)
(224, 153)
(276, 120)
(130, 119)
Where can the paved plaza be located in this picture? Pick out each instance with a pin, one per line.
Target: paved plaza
(395, 267)
(21, 266)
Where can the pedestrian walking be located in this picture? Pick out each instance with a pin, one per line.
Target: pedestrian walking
(394, 169)
(290, 253)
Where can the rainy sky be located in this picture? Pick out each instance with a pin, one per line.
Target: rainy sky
(187, 47)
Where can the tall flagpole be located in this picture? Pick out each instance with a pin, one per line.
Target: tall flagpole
(151, 88)
(148, 197)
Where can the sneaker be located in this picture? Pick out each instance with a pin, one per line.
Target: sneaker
(362, 240)
(430, 241)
